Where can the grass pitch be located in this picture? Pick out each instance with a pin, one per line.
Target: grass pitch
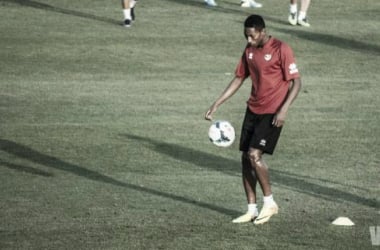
(103, 143)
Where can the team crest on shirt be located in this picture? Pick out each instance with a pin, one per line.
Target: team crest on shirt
(267, 57)
(293, 68)
(250, 56)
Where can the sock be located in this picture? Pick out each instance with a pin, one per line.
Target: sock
(293, 8)
(127, 14)
(252, 208)
(268, 200)
(301, 15)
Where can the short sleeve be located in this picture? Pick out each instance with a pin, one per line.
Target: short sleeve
(289, 66)
(241, 70)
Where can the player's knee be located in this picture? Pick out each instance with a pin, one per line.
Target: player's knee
(255, 157)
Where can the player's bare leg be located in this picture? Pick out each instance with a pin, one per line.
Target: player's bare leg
(261, 170)
(262, 173)
(249, 183)
(249, 179)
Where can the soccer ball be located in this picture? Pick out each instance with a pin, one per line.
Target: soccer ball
(221, 133)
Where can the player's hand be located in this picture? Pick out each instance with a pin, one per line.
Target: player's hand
(279, 119)
(208, 115)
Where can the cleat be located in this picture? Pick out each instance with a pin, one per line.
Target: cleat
(127, 23)
(211, 3)
(247, 217)
(265, 214)
(250, 4)
(303, 22)
(292, 18)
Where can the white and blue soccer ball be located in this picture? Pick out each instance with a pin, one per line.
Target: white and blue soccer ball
(221, 133)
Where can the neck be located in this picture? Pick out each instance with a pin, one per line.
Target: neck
(264, 41)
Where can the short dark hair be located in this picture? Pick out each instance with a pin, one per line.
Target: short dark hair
(254, 21)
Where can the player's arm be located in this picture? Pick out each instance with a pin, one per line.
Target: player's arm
(294, 89)
(231, 89)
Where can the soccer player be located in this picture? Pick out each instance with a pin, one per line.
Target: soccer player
(244, 3)
(300, 17)
(128, 11)
(276, 82)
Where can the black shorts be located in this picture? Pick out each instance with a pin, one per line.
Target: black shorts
(258, 132)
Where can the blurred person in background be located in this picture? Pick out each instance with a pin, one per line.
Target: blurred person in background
(128, 12)
(299, 17)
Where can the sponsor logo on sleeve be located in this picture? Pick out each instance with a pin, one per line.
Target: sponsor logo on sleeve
(293, 68)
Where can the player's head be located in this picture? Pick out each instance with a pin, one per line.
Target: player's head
(254, 30)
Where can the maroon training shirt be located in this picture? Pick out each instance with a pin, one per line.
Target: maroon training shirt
(271, 68)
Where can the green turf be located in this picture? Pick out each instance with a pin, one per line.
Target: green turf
(103, 143)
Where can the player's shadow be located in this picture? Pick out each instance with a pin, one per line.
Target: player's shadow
(331, 40)
(47, 7)
(25, 169)
(232, 167)
(36, 157)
